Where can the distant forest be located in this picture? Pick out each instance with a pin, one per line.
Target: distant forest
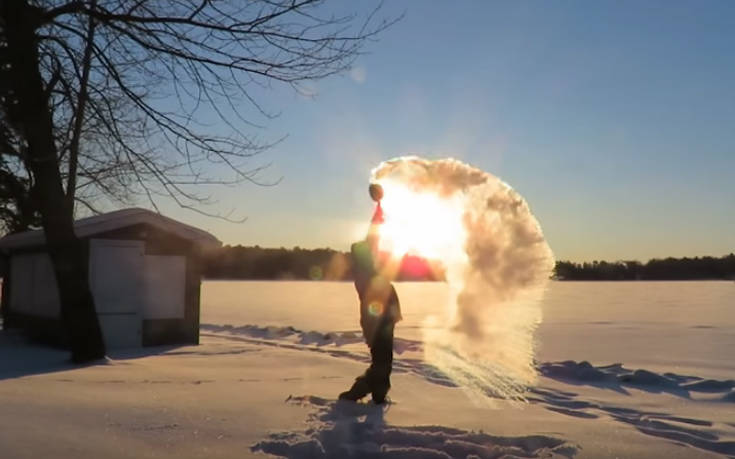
(655, 269)
(238, 262)
(258, 263)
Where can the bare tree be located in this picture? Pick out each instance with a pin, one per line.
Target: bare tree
(113, 97)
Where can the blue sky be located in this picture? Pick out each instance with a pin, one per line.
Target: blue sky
(615, 120)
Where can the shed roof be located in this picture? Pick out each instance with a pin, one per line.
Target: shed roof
(85, 227)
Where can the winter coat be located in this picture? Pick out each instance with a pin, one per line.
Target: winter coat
(379, 305)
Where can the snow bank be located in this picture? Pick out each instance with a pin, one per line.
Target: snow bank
(616, 376)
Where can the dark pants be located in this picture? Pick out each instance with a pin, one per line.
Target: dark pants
(376, 379)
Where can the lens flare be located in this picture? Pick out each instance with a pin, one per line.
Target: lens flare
(375, 308)
(497, 264)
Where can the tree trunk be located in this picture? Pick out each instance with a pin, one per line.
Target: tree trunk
(31, 115)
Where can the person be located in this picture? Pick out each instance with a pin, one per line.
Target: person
(380, 309)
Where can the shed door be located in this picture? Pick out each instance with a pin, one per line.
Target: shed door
(165, 287)
(116, 278)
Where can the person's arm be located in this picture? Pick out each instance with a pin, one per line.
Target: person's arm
(395, 306)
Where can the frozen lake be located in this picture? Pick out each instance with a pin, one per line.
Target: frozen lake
(625, 370)
(663, 326)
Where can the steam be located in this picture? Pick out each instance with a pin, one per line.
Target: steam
(497, 267)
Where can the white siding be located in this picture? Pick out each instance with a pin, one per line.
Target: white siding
(33, 288)
(21, 283)
(116, 279)
(45, 291)
(165, 287)
(116, 275)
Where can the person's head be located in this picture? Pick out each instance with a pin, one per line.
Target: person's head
(376, 192)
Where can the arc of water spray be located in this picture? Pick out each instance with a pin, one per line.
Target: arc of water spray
(497, 269)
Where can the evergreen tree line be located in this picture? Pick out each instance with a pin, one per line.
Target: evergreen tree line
(258, 263)
(655, 269)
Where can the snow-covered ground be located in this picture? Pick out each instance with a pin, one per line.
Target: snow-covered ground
(626, 370)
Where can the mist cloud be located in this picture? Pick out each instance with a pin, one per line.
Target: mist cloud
(497, 272)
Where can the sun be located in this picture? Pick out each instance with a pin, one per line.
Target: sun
(422, 224)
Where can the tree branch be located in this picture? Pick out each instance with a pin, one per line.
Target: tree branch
(79, 112)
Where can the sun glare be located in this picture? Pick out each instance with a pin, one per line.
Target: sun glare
(422, 224)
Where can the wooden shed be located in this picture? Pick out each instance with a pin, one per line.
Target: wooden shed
(144, 273)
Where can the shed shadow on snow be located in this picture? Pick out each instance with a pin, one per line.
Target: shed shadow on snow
(339, 429)
(20, 356)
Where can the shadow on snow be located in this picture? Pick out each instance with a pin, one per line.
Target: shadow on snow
(358, 430)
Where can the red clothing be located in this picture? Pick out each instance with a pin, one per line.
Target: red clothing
(378, 217)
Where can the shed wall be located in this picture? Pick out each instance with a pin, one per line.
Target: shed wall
(174, 315)
(164, 249)
(30, 304)
(33, 286)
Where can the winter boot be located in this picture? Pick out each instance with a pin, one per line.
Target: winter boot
(379, 392)
(358, 390)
